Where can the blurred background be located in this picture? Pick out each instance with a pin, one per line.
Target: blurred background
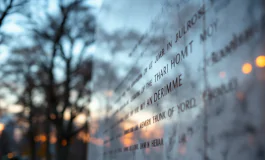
(77, 75)
(46, 54)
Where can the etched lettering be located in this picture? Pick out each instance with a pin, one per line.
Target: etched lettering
(157, 142)
(182, 55)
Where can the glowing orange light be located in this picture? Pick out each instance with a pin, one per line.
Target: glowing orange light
(2, 127)
(53, 140)
(10, 155)
(246, 68)
(64, 142)
(85, 137)
(127, 140)
(42, 138)
(222, 74)
(260, 61)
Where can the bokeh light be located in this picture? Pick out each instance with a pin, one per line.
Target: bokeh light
(246, 68)
(260, 61)
(64, 142)
(10, 155)
(2, 127)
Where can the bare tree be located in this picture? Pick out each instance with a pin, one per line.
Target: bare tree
(58, 40)
(8, 7)
(21, 80)
(56, 67)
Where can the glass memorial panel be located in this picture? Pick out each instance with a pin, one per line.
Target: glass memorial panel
(179, 79)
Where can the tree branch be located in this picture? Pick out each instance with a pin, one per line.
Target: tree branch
(85, 126)
(6, 12)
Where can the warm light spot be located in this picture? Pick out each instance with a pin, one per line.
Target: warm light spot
(2, 127)
(15, 108)
(127, 140)
(10, 155)
(260, 61)
(222, 74)
(83, 136)
(141, 116)
(246, 68)
(42, 138)
(152, 132)
(80, 119)
(53, 116)
(146, 134)
(53, 140)
(64, 142)
(67, 114)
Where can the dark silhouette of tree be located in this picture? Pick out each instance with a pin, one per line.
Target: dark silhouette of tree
(58, 39)
(56, 68)
(8, 7)
(22, 81)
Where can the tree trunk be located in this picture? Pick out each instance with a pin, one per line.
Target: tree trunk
(32, 142)
(62, 151)
(31, 127)
(48, 155)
